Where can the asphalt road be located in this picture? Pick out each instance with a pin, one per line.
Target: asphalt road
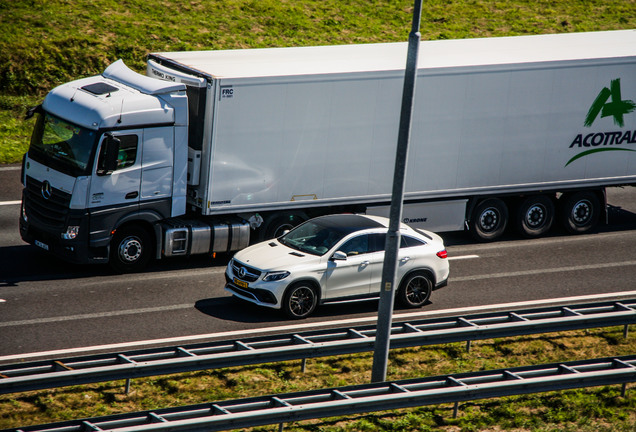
(48, 305)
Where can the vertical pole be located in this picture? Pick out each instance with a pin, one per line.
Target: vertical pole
(387, 292)
(127, 385)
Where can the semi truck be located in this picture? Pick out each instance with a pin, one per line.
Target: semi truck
(211, 150)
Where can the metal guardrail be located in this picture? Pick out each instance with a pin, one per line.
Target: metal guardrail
(135, 364)
(283, 408)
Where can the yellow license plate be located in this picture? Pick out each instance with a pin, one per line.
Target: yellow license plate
(240, 283)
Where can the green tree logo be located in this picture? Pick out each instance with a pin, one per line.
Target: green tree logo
(617, 108)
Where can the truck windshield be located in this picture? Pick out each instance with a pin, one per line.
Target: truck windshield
(62, 145)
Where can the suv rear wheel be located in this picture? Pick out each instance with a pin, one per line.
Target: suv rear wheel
(415, 290)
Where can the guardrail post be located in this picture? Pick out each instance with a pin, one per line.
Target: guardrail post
(624, 390)
(280, 427)
(455, 410)
(128, 380)
(468, 343)
(303, 365)
(625, 331)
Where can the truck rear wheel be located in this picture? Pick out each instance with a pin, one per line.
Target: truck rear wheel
(489, 219)
(535, 216)
(580, 211)
(131, 249)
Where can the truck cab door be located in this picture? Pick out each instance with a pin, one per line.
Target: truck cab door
(115, 186)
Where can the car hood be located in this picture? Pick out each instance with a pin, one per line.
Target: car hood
(273, 255)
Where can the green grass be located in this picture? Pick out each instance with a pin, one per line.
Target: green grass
(45, 43)
(595, 409)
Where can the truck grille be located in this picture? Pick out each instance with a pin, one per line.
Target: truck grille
(51, 211)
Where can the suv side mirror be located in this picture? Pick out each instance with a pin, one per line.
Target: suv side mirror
(107, 162)
(339, 256)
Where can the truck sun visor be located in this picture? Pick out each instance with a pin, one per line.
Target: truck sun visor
(100, 88)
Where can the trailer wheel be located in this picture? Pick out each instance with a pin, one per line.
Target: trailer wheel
(535, 216)
(300, 300)
(579, 211)
(489, 219)
(275, 226)
(415, 290)
(131, 249)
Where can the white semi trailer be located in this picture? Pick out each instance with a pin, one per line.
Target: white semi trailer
(213, 149)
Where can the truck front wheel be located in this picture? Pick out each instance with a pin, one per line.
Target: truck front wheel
(131, 249)
(489, 219)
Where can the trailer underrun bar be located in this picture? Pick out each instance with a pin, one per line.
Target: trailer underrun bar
(177, 359)
(283, 408)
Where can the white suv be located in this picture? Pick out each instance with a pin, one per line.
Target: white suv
(335, 258)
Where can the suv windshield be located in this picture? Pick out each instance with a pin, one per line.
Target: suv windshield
(312, 238)
(319, 235)
(62, 145)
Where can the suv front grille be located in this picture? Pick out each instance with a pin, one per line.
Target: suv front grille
(251, 274)
(52, 211)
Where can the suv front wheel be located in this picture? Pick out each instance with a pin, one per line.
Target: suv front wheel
(300, 300)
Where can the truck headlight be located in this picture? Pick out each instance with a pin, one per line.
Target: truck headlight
(275, 276)
(71, 232)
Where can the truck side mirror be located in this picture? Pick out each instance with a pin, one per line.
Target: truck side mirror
(107, 162)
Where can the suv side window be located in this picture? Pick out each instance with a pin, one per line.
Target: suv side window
(407, 242)
(356, 246)
(377, 242)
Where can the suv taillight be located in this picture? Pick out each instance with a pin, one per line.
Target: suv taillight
(442, 254)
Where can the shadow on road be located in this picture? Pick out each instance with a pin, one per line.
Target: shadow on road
(236, 310)
(25, 263)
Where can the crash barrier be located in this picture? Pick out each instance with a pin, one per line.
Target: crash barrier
(284, 408)
(161, 361)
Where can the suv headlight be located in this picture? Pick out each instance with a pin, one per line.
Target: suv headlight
(275, 276)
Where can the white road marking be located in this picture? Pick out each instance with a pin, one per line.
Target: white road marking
(94, 315)
(6, 203)
(311, 326)
(463, 257)
(543, 271)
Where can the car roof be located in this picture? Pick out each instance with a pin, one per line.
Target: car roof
(349, 222)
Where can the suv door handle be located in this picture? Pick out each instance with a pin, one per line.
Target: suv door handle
(132, 195)
(405, 259)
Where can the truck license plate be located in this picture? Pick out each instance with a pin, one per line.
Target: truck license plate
(42, 245)
(240, 283)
